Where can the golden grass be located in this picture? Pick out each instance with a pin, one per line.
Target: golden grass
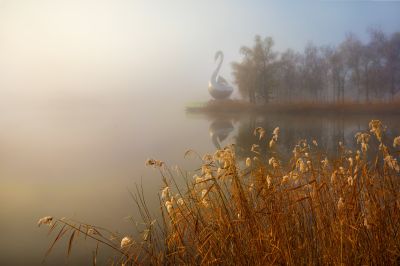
(264, 211)
(239, 106)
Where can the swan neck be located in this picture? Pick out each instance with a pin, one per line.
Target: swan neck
(216, 71)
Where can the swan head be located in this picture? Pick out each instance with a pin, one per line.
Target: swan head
(218, 54)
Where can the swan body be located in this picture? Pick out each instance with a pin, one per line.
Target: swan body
(218, 87)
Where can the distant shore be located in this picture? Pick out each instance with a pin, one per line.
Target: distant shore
(240, 106)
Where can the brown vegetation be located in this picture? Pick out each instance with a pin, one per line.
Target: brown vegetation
(264, 211)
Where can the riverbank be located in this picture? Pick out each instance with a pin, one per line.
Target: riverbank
(240, 106)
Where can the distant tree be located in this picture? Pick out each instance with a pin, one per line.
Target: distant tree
(288, 76)
(393, 63)
(352, 52)
(313, 72)
(338, 71)
(352, 70)
(377, 46)
(245, 74)
(255, 74)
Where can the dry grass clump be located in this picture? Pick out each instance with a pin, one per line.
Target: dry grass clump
(263, 211)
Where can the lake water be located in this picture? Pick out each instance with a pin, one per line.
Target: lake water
(80, 160)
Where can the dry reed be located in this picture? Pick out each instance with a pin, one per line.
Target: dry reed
(264, 211)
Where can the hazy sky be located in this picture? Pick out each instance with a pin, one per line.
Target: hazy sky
(158, 48)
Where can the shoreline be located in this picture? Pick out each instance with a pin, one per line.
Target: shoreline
(301, 108)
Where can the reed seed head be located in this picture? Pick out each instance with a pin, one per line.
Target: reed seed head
(126, 242)
(45, 220)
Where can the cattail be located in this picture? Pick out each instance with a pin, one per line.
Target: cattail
(45, 220)
(126, 242)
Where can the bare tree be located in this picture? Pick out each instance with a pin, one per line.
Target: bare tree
(348, 71)
(255, 74)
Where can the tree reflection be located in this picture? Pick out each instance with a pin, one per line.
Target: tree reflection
(326, 131)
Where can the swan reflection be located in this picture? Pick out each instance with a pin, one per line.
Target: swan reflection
(219, 130)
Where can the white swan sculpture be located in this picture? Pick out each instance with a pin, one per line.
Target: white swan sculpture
(218, 87)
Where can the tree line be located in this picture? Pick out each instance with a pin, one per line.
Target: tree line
(352, 71)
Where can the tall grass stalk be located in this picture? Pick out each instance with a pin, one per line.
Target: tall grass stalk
(308, 210)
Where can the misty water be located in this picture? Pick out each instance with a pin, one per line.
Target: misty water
(80, 159)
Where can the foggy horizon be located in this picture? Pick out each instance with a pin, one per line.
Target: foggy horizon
(94, 49)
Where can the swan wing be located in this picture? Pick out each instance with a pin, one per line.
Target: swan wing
(222, 80)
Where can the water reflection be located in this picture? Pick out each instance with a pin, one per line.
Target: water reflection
(219, 130)
(327, 131)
